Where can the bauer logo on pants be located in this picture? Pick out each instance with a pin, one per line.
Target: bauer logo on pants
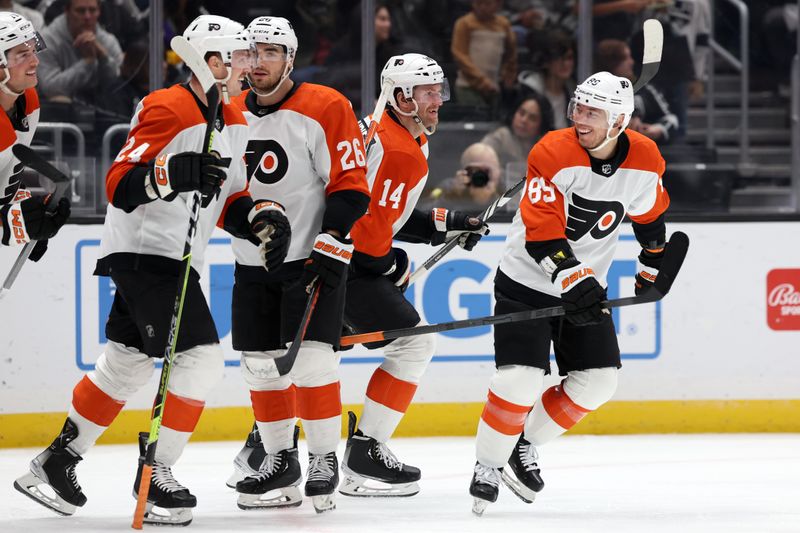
(783, 299)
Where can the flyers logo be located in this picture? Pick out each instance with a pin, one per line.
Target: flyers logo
(266, 161)
(595, 217)
(8, 193)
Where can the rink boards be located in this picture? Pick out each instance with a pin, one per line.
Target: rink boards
(720, 353)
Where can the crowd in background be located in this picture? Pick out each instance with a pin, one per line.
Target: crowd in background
(510, 63)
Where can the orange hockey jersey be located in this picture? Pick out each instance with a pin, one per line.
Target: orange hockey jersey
(397, 169)
(569, 195)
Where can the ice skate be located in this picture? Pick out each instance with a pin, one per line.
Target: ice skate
(371, 469)
(484, 487)
(55, 468)
(168, 502)
(276, 483)
(249, 459)
(322, 479)
(523, 475)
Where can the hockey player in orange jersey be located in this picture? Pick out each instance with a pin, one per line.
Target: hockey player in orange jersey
(305, 151)
(397, 169)
(23, 217)
(149, 187)
(581, 182)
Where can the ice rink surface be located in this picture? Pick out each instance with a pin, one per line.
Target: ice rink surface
(653, 483)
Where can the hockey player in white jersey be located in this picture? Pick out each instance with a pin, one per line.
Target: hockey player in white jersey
(149, 188)
(306, 153)
(581, 182)
(23, 217)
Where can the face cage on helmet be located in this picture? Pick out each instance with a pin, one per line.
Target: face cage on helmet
(34, 45)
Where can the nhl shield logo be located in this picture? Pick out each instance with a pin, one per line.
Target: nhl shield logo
(606, 169)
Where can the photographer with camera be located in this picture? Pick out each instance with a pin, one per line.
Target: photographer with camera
(475, 184)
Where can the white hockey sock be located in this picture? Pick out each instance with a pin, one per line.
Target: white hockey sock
(378, 421)
(170, 445)
(88, 432)
(323, 435)
(278, 435)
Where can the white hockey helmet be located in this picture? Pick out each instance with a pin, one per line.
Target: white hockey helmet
(406, 71)
(14, 31)
(274, 30)
(603, 90)
(212, 33)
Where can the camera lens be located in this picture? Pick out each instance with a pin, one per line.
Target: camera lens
(478, 178)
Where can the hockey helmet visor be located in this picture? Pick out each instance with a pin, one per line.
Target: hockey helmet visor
(437, 93)
(270, 53)
(586, 115)
(22, 53)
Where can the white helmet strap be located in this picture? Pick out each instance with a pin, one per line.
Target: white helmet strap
(4, 84)
(286, 71)
(415, 116)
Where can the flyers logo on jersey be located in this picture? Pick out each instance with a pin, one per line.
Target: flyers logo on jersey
(598, 218)
(266, 161)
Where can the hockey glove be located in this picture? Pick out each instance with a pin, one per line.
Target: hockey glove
(447, 224)
(647, 269)
(328, 263)
(271, 232)
(32, 219)
(580, 292)
(171, 174)
(400, 271)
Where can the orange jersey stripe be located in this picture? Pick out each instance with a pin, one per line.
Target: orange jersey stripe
(503, 416)
(319, 403)
(387, 390)
(93, 404)
(274, 405)
(181, 414)
(228, 201)
(561, 408)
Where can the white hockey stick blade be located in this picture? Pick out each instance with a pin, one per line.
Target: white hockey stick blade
(651, 54)
(192, 58)
(377, 113)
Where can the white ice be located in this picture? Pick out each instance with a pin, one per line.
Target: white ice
(654, 483)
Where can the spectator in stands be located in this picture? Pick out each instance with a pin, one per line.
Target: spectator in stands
(525, 124)
(484, 47)
(652, 116)
(34, 16)
(554, 55)
(132, 84)
(475, 184)
(780, 35)
(81, 59)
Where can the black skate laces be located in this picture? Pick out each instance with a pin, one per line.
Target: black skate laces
(162, 477)
(487, 475)
(528, 456)
(384, 454)
(320, 467)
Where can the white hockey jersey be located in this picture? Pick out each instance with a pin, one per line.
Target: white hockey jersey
(171, 121)
(27, 109)
(301, 150)
(570, 196)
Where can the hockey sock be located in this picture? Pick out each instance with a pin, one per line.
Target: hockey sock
(275, 417)
(320, 409)
(564, 405)
(387, 400)
(511, 394)
(92, 411)
(180, 418)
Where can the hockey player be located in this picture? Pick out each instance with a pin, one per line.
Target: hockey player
(397, 169)
(581, 182)
(305, 152)
(22, 217)
(149, 188)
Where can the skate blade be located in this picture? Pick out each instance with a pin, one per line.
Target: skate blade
(324, 503)
(159, 516)
(522, 492)
(361, 487)
(31, 486)
(241, 470)
(479, 506)
(283, 498)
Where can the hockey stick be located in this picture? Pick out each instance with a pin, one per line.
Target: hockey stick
(200, 69)
(671, 265)
(34, 161)
(651, 55)
(449, 245)
(285, 362)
